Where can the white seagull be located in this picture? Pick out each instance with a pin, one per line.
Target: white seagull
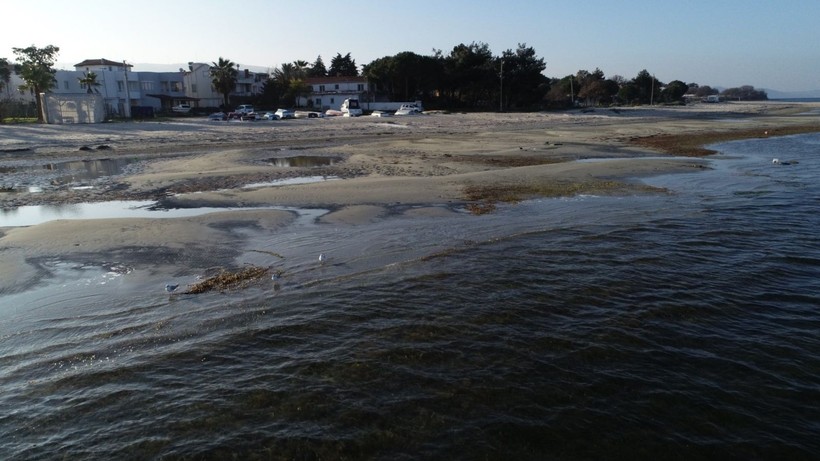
(322, 258)
(170, 288)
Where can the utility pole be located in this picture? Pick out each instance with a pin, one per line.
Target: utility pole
(127, 107)
(652, 92)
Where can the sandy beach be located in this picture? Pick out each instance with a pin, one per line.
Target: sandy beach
(427, 165)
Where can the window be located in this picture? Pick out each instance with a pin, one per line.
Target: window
(65, 84)
(332, 101)
(193, 87)
(133, 86)
(147, 86)
(321, 88)
(360, 87)
(337, 86)
(120, 85)
(318, 102)
(176, 86)
(163, 85)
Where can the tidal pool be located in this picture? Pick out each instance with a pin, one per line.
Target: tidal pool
(35, 178)
(302, 161)
(37, 214)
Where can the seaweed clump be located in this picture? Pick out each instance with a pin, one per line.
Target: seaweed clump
(231, 280)
(483, 198)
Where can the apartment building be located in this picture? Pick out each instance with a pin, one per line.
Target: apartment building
(124, 89)
(197, 82)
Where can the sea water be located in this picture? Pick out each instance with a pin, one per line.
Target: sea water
(683, 325)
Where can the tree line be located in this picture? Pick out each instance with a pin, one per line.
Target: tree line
(468, 77)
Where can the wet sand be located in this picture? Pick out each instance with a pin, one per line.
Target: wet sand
(425, 165)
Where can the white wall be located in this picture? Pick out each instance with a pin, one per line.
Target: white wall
(73, 108)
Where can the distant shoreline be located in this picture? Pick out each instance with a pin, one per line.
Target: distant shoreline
(817, 100)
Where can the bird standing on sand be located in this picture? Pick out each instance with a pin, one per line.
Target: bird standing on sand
(170, 288)
(322, 258)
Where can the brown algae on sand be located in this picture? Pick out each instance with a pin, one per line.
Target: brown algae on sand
(232, 280)
(691, 144)
(483, 197)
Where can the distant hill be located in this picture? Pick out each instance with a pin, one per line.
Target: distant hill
(774, 94)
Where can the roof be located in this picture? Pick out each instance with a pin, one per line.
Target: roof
(101, 62)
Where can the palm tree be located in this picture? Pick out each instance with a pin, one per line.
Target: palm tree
(89, 80)
(223, 76)
(301, 68)
(284, 74)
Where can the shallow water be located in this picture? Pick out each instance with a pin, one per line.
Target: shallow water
(672, 327)
(77, 173)
(31, 215)
(302, 161)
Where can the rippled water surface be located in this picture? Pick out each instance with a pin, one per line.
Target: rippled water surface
(682, 326)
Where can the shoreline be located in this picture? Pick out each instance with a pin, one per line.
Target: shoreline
(430, 164)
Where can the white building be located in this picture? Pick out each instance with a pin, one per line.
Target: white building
(329, 92)
(197, 80)
(117, 84)
(198, 85)
(124, 90)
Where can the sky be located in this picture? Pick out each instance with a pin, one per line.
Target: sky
(769, 44)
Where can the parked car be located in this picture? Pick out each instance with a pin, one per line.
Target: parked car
(270, 116)
(284, 113)
(181, 109)
(244, 109)
(218, 116)
(307, 114)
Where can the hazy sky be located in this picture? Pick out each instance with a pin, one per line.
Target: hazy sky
(773, 44)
